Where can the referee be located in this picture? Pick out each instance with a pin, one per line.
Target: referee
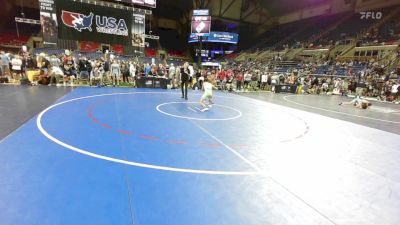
(185, 78)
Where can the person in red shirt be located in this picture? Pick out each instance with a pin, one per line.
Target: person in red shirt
(221, 75)
(239, 80)
(221, 78)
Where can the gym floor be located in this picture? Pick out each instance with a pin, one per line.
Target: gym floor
(141, 156)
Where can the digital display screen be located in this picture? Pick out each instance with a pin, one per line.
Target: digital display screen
(220, 37)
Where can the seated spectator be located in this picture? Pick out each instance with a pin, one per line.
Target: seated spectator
(55, 72)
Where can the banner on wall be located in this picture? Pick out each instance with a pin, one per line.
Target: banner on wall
(88, 22)
(48, 22)
(138, 30)
(220, 37)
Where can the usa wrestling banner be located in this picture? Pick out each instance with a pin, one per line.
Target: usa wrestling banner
(88, 22)
(48, 22)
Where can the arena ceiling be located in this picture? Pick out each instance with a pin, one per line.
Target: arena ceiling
(245, 11)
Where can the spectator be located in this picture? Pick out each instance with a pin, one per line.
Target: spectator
(68, 66)
(239, 81)
(125, 72)
(5, 67)
(16, 63)
(44, 77)
(147, 69)
(84, 68)
(247, 80)
(56, 73)
(264, 80)
(115, 73)
(171, 75)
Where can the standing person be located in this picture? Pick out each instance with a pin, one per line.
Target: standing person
(16, 66)
(185, 78)
(201, 80)
(207, 96)
(147, 69)
(69, 69)
(274, 81)
(177, 80)
(191, 76)
(171, 75)
(125, 72)
(229, 82)
(239, 80)
(221, 75)
(395, 91)
(264, 80)
(1, 64)
(106, 69)
(115, 73)
(247, 80)
(132, 72)
(5, 64)
(198, 76)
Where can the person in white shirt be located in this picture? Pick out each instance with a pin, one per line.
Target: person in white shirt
(177, 79)
(325, 87)
(16, 67)
(247, 80)
(132, 72)
(264, 80)
(192, 77)
(171, 75)
(206, 100)
(395, 91)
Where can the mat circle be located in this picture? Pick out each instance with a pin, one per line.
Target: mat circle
(238, 113)
(126, 162)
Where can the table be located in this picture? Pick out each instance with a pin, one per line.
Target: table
(152, 82)
(286, 88)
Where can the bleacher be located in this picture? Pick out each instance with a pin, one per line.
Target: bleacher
(12, 39)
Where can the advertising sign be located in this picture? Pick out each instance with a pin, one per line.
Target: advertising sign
(220, 37)
(201, 12)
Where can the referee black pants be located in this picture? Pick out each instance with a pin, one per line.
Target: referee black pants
(184, 87)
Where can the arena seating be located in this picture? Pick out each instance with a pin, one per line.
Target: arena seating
(12, 39)
(149, 52)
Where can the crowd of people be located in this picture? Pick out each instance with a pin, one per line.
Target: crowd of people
(371, 80)
(68, 69)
